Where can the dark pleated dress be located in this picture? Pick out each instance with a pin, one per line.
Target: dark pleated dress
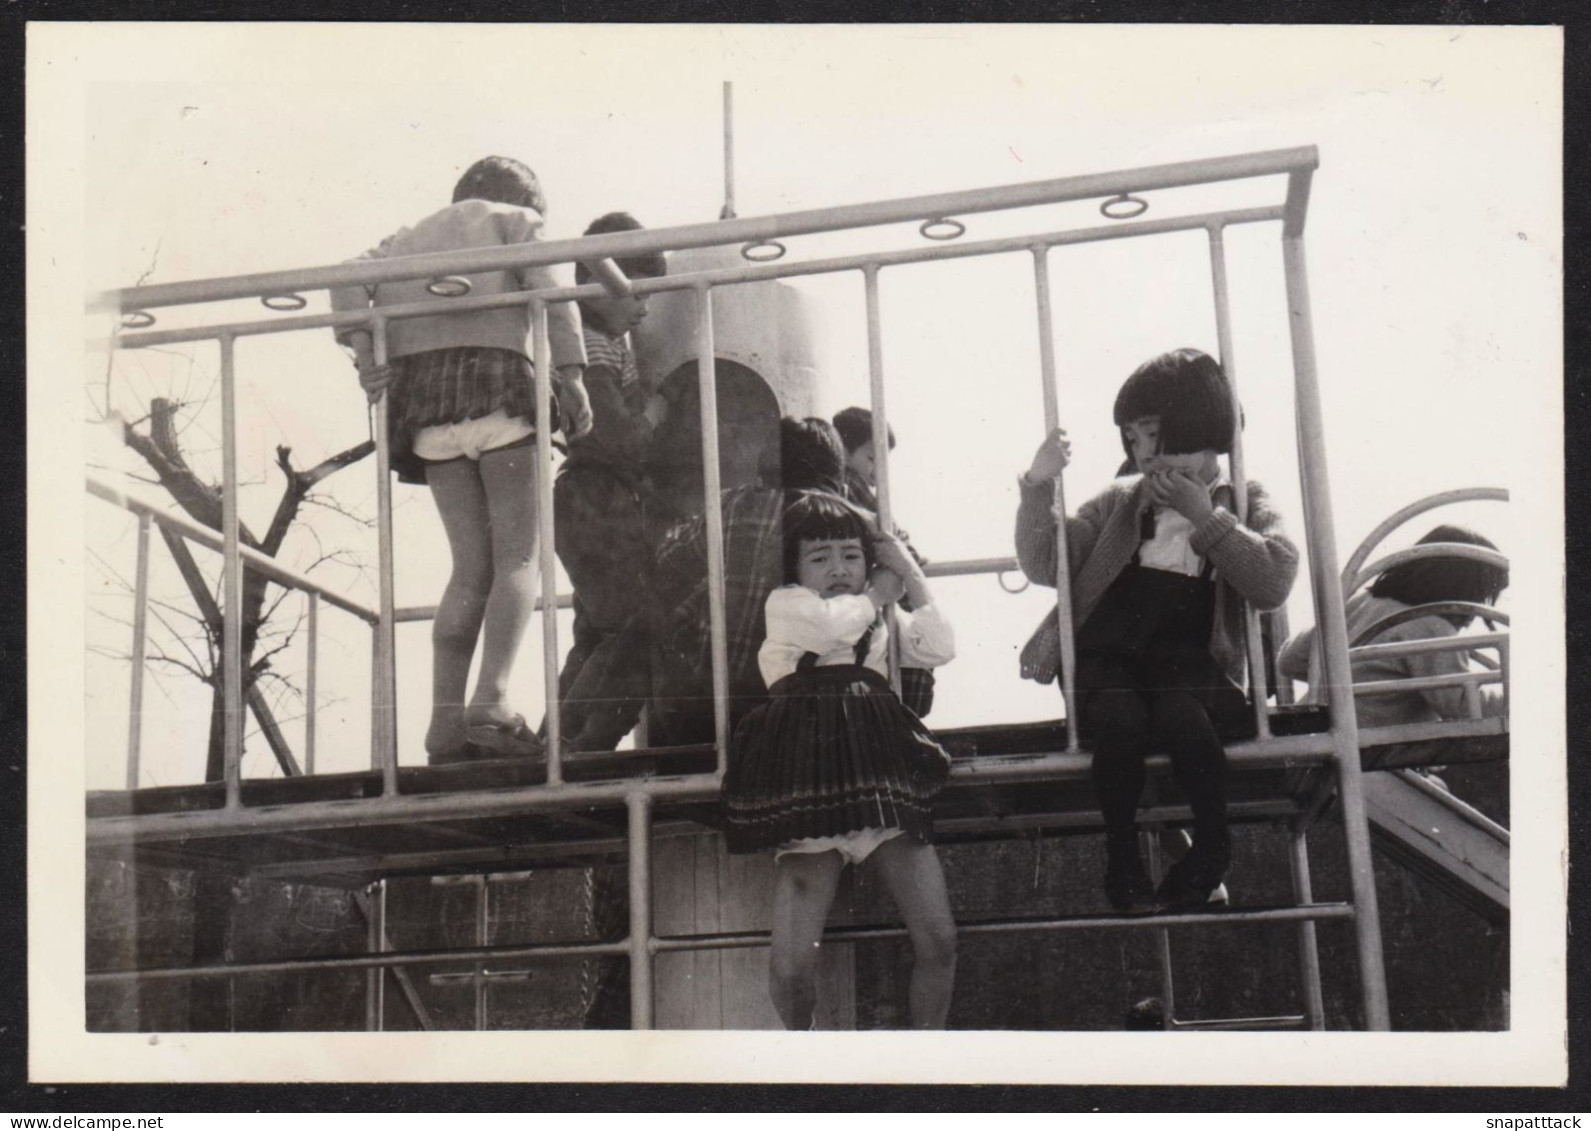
(832, 751)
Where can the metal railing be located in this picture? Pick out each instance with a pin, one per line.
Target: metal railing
(936, 215)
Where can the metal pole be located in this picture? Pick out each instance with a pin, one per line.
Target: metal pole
(310, 682)
(232, 583)
(728, 212)
(875, 370)
(541, 358)
(1223, 331)
(1063, 565)
(639, 807)
(374, 974)
(1168, 999)
(135, 715)
(1308, 946)
(713, 517)
(385, 691)
(482, 927)
(1334, 634)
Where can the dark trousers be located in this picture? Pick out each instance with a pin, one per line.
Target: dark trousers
(1168, 697)
(600, 539)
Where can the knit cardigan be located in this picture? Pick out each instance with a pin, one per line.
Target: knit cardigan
(1255, 562)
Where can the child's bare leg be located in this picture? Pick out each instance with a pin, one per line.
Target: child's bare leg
(461, 503)
(910, 870)
(803, 891)
(509, 478)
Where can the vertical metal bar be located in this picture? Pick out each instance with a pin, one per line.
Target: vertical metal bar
(373, 975)
(135, 712)
(541, 358)
(875, 370)
(482, 931)
(1322, 542)
(639, 807)
(1308, 947)
(380, 918)
(385, 691)
(1223, 332)
(728, 212)
(713, 517)
(311, 679)
(1063, 565)
(1168, 999)
(232, 582)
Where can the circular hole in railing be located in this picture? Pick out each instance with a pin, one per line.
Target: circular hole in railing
(1123, 207)
(450, 286)
(137, 320)
(284, 302)
(942, 228)
(763, 251)
(1000, 577)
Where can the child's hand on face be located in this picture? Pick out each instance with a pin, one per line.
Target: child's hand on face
(1182, 493)
(1051, 458)
(885, 586)
(655, 410)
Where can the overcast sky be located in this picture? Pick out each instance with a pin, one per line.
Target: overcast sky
(1434, 252)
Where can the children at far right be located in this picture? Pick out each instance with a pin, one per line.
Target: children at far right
(1422, 581)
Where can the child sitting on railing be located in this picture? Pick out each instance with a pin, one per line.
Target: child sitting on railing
(833, 768)
(1160, 566)
(461, 412)
(601, 501)
(855, 426)
(1421, 581)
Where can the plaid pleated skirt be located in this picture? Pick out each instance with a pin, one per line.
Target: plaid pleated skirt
(832, 751)
(449, 386)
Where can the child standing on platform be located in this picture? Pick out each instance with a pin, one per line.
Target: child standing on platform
(461, 412)
(834, 769)
(600, 504)
(1161, 564)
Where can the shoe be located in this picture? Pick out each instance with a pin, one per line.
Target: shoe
(1127, 885)
(512, 738)
(469, 752)
(1194, 882)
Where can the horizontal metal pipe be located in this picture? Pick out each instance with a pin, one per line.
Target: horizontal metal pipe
(1426, 683)
(748, 939)
(1232, 1024)
(212, 540)
(719, 941)
(546, 953)
(428, 612)
(362, 812)
(725, 276)
(1436, 644)
(751, 229)
(970, 566)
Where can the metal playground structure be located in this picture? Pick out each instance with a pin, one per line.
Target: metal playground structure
(366, 826)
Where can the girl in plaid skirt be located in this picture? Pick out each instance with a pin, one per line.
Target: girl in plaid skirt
(833, 768)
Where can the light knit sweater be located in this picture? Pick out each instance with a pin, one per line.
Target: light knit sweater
(460, 227)
(1254, 562)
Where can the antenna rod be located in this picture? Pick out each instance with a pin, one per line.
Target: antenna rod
(728, 212)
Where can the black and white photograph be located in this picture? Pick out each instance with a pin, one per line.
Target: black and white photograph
(871, 553)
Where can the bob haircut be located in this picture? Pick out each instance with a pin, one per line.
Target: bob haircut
(811, 457)
(855, 426)
(501, 179)
(1427, 580)
(1188, 392)
(651, 266)
(818, 516)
